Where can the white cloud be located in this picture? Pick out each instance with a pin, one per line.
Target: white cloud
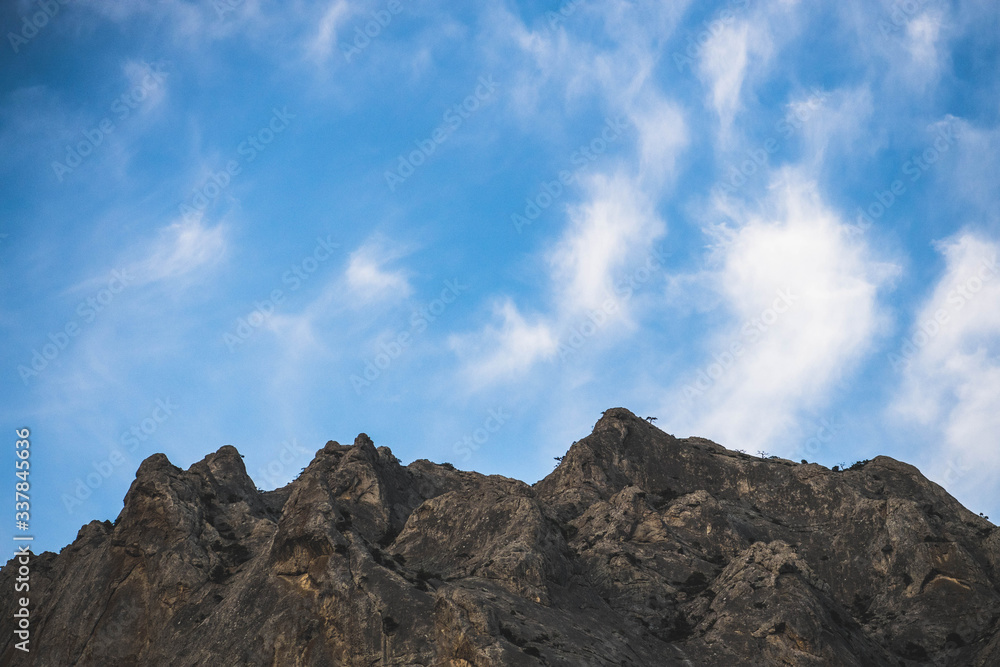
(181, 248)
(737, 51)
(312, 335)
(316, 330)
(921, 39)
(833, 124)
(552, 69)
(611, 229)
(923, 35)
(950, 387)
(951, 355)
(723, 66)
(146, 81)
(803, 297)
(185, 18)
(614, 226)
(912, 40)
(369, 280)
(297, 332)
(971, 173)
(725, 63)
(325, 41)
(662, 137)
(608, 237)
(505, 351)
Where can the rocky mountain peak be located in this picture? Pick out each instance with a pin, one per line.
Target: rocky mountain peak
(638, 549)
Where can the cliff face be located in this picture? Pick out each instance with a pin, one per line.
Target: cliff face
(639, 549)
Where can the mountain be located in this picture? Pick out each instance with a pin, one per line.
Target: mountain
(638, 549)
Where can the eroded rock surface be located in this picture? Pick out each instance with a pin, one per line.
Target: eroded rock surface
(639, 549)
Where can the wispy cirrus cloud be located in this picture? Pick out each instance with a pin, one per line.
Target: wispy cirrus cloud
(723, 67)
(369, 279)
(613, 224)
(324, 43)
(506, 350)
(307, 331)
(180, 249)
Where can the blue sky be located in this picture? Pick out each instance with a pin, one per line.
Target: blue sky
(467, 231)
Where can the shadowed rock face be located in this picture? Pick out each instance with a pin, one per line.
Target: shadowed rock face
(639, 549)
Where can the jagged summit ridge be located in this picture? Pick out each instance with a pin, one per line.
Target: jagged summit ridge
(638, 549)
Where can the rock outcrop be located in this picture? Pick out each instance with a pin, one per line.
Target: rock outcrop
(638, 549)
